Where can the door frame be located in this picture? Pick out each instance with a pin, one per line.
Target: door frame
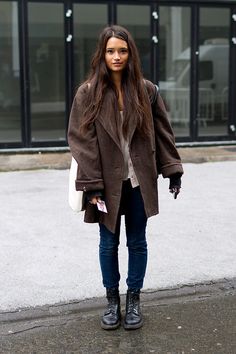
(232, 76)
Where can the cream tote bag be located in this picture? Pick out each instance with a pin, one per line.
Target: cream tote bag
(75, 197)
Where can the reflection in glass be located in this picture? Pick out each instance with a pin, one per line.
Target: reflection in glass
(10, 110)
(89, 20)
(137, 20)
(175, 65)
(47, 71)
(213, 71)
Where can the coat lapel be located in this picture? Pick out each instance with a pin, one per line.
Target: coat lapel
(108, 117)
(132, 127)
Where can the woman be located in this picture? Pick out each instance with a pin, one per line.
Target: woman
(121, 138)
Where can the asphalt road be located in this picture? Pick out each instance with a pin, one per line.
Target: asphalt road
(199, 320)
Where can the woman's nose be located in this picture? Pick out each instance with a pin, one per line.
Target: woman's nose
(116, 56)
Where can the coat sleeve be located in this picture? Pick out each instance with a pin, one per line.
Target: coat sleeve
(167, 156)
(84, 147)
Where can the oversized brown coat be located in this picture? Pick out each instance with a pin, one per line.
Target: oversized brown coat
(100, 159)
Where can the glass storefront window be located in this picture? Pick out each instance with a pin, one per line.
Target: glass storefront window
(89, 20)
(213, 85)
(10, 107)
(47, 71)
(175, 65)
(137, 20)
(46, 47)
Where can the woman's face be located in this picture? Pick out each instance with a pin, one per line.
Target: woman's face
(117, 54)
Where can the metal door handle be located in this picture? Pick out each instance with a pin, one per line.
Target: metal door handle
(68, 13)
(69, 38)
(155, 15)
(155, 39)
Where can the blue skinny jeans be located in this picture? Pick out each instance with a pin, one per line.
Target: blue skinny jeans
(135, 224)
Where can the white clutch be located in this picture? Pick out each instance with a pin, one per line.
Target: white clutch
(76, 198)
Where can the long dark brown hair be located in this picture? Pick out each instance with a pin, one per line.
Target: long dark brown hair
(136, 102)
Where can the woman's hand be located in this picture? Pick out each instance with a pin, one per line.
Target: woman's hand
(175, 184)
(95, 200)
(93, 197)
(175, 191)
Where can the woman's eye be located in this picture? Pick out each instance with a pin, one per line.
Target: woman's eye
(124, 51)
(110, 51)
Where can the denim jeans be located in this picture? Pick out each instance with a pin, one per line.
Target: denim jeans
(135, 223)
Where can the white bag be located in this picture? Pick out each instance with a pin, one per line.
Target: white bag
(76, 198)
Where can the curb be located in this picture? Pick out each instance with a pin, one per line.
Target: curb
(180, 293)
(61, 159)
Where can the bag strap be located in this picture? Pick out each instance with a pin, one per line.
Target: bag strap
(154, 98)
(155, 94)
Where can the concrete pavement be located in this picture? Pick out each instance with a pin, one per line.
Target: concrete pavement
(48, 255)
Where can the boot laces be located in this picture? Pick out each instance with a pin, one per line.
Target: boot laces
(112, 305)
(133, 304)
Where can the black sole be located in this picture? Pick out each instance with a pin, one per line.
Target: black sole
(134, 326)
(110, 327)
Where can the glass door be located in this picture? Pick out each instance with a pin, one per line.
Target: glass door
(175, 65)
(88, 21)
(213, 71)
(47, 71)
(10, 101)
(232, 109)
(137, 19)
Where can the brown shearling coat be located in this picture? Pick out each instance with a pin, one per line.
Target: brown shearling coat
(100, 159)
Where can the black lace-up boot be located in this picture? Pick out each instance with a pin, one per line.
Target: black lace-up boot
(112, 315)
(133, 316)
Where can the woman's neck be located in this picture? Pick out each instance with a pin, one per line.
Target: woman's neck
(116, 78)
